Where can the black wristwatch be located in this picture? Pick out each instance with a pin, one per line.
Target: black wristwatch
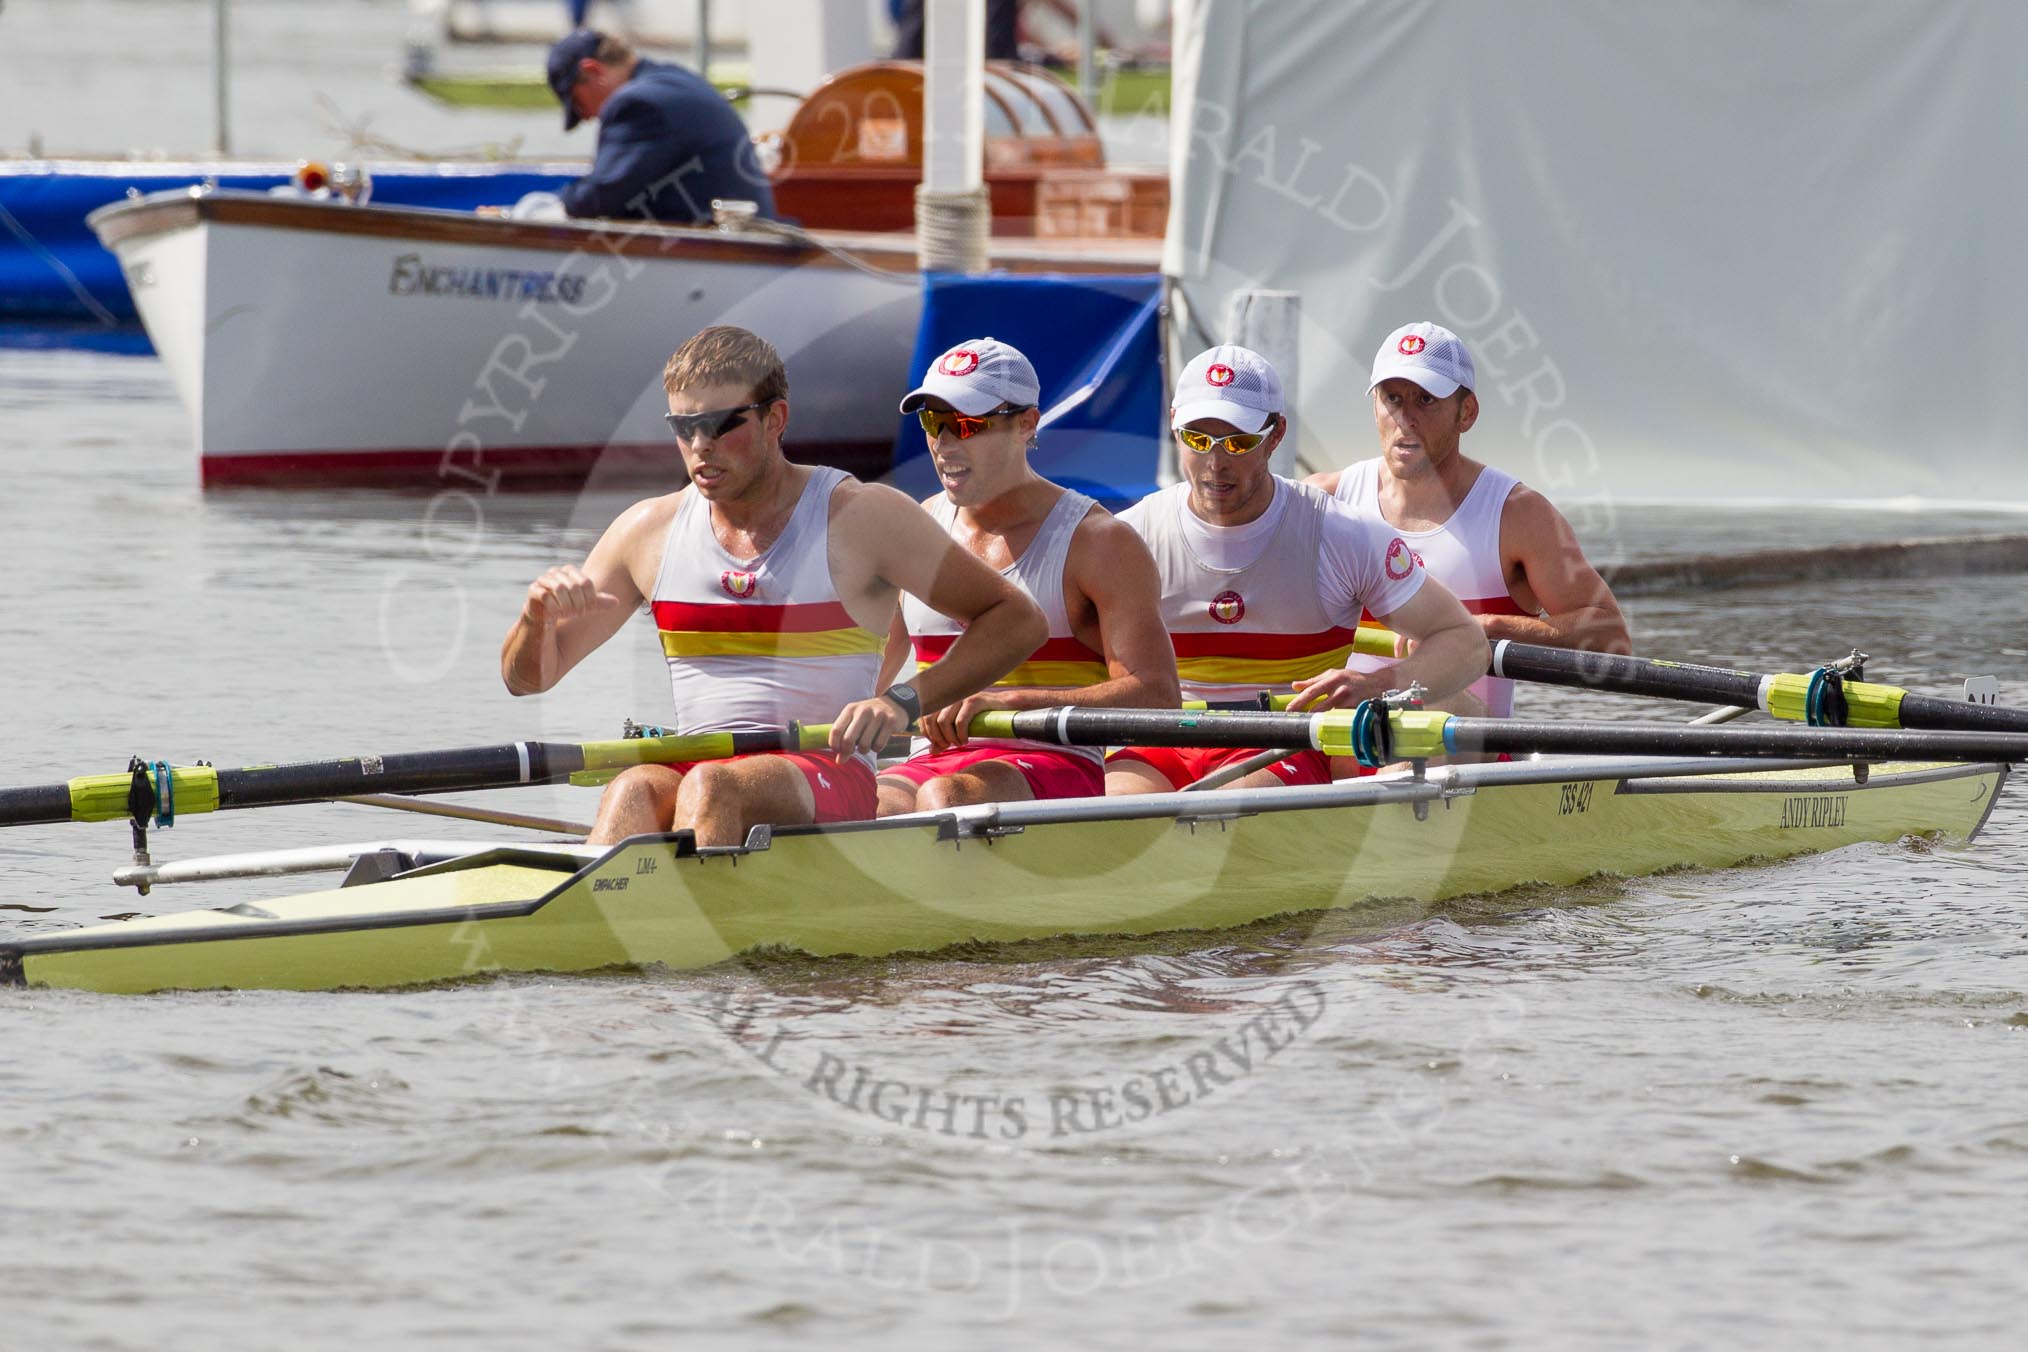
(907, 698)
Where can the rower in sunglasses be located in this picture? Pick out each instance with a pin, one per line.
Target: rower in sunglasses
(1091, 575)
(1264, 579)
(772, 586)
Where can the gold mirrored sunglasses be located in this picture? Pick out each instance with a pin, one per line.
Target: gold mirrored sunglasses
(1236, 443)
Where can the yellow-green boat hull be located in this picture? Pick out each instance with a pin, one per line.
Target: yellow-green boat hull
(876, 889)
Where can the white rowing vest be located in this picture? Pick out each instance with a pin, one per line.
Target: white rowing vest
(757, 643)
(1238, 632)
(1463, 553)
(1063, 661)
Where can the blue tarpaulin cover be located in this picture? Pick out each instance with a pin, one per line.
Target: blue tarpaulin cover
(1095, 342)
(52, 267)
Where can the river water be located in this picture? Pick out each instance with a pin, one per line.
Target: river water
(1768, 1106)
(1778, 1105)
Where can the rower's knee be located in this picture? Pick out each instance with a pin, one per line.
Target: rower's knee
(638, 800)
(896, 796)
(1130, 780)
(947, 791)
(707, 783)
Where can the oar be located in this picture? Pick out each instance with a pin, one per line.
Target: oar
(163, 792)
(1785, 695)
(1378, 736)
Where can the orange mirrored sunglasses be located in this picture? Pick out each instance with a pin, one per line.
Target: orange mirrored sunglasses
(936, 422)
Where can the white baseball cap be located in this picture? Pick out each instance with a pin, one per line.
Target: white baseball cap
(1233, 384)
(976, 377)
(1428, 354)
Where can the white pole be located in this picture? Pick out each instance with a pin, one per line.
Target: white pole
(952, 215)
(954, 101)
(703, 43)
(221, 141)
(1270, 322)
(1086, 40)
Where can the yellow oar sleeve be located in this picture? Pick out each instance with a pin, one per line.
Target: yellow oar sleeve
(1866, 705)
(103, 798)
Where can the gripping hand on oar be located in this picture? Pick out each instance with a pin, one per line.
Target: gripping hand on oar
(1448, 653)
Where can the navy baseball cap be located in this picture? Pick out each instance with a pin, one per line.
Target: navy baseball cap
(563, 62)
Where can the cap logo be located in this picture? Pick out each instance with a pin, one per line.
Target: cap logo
(1401, 560)
(1228, 607)
(737, 583)
(1410, 344)
(960, 363)
(1218, 374)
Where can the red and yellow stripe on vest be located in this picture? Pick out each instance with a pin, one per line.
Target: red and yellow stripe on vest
(1060, 662)
(721, 629)
(1259, 659)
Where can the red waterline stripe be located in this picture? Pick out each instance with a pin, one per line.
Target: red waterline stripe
(517, 466)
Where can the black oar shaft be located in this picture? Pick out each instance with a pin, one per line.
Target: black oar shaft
(1626, 675)
(36, 803)
(156, 789)
(1722, 685)
(476, 767)
(1927, 711)
(1519, 737)
(1158, 727)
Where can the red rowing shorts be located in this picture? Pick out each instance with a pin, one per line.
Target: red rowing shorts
(844, 790)
(1050, 771)
(1186, 765)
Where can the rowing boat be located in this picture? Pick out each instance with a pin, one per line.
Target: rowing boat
(1614, 799)
(1017, 871)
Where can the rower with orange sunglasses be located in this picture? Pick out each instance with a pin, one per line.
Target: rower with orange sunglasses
(1264, 579)
(1091, 575)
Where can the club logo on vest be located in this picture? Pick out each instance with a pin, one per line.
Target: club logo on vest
(1401, 559)
(1218, 374)
(960, 363)
(1410, 344)
(1228, 607)
(739, 584)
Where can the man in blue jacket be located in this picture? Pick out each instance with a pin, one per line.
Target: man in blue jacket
(668, 141)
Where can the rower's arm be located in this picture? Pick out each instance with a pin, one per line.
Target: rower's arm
(1546, 565)
(1109, 564)
(894, 663)
(571, 610)
(1325, 479)
(909, 551)
(1449, 647)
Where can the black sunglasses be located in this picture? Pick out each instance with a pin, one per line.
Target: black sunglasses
(715, 424)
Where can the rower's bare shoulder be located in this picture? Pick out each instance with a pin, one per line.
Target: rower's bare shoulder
(860, 506)
(645, 522)
(1529, 520)
(1109, 559)
(1102, 539)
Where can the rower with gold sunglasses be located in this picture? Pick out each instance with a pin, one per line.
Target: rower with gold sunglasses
(1232, 443)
